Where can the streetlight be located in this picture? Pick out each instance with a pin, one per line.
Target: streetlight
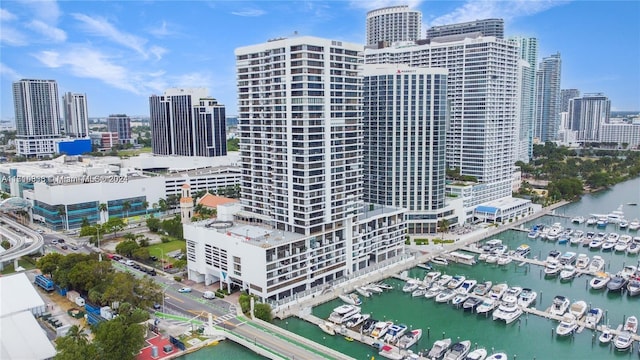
(164, 291)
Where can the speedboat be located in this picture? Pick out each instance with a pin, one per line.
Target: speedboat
(568, 272)
(369, 325)
(602, 222)
(552, 268)
(433, 291)
(628, 272)
(471, 303)
(409, 339)
(363, 292)
(593, 318)
(477, 354)
(555, 231)
(466, 286)
(394, 332)
(504, 259)
(527, 297)
(568, 258)
(357, 319)
(445, 295)
(343, 313)
(509, 311)
(633, 287)
(634, 224)
(459, 299)
(597, 264)
(482, 289)
(631, 325)
(502, 249)
(567, 326)
(432, 277)
(458, 351)
(328, 328)
(373, 288)
(578, 309)
(533, 234)
(439, 260)
(592, 220)
(634, 247)
(616, 283)
(444, 279)
(559, 306)
(596, 243)
(492, 259)
(599, 281)
(456, 281)
(578, 219)
(390, 352)
(486, 306)
(513, 291)
(623, 224)
(383, 286)
(351, 299)
(623, 341)
(553, 255)
(491, 245)
(582, 261)
(606, 336)
(498, 290)
(380, 329)
(522, 251)
(439, 348)
(498, 356)
(608, 245)
(577, 237)
(623, 243)
(410, 285)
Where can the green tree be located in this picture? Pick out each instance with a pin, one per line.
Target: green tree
(62, 213)
(263, 312)
(5, 244)
(153, 224)
(48, 264)
(126, 206)
(103, 209)
(121, 338)
(127, 247)
(145, 205)
(113, 225)
(75, 345)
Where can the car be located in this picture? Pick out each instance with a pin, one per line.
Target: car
(129, 263)
(64, 247)
(152, 272)
(116, 257)
(167, 266)
(40, 231)
(54, 241)
(153, 258)
(73, 247)
(135, 266)
(184, 290)
(157, 306)
(61, 241)
(122, 261)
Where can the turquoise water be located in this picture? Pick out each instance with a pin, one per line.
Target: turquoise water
(227, 350)
(531, 337)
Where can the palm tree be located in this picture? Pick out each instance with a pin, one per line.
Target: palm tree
(103, 209)
(145, 205)
(126, 206)
(78, 334)
(62, 212)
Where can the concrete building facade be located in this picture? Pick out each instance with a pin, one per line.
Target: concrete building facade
(392, 24)
(121, 125)
(565, 96)
(528, 54)
(587, 114)
(547, 121)
(486, 27)
(76, 115)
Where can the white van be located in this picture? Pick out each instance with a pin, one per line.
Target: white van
(209, 295)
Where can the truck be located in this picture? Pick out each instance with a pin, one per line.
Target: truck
(44, 282)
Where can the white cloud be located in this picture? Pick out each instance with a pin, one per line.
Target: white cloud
(377, 4)
(45, 10)
(5, 15)
(483, 9)
(193, 79)
(13, 37)
(9, 73)
(249, 12)
(161, 31)
(50, 32)
(158, 51)
(101, 27)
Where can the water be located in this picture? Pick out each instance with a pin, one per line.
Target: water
(531, 337)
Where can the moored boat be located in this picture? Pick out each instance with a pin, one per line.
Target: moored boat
(568, 258)
(351, 299)
(363, 292)
(498, 290)
(592, 220)
(439, 260)
(444, 279)
(458, 351)
(567, 326)
(522, 251)
(593, 318)
(597, 264)
(439, 348)
(498, 356)
(599, 281)
(459, 299)
(433, 291)
(623, 341)
(606, 336)
(487, 306)
(409, 339)
(456, 282)
(633, 287)
(582, 261)
(380, 329)
(410, 285)
(631, 325)
(477, 354)
(328, 328)
(552, 268)
(390, 352)
(357, 319)
(527, 297)
(466, 286)
(471, 303)
(343, 313)
(578, 309)
(482, 289)
(617, 283)
(509, 311)
(559, 306)
(568, 272)
(394, 332)
(578, 219)
(420, 291)
(445, 295)
(432, 277)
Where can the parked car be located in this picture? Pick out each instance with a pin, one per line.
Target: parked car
(129, 263)
(184, 290)
(157, 306)
(153, 258)
(64, 247)
(61, 241)
(151, 271)
(73, 247)
(54, 241)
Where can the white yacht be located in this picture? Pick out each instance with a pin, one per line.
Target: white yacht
(432, 277)
(568, 272)
(634, 224)
(344, 313)
(487, 305)
(351, 299)
(633, 287)
(582, 261)
(527, 297)
(522, 251)
(409, 339)
(578, 219)
(439, 348)
(623, 341)
(597, 264)
(497, 291)
(509, 311)
(606, 336)
(458, 351)
(592, 220)
(491, 258)
(420, 291)
(552, 268)
(616, 216)
(433, 291)
(504, 259)
(466, 286)
(357, 319)
(599, 281)
(634, 247)
(394, 332)
(578, 309)
(456, 282)
(631, 325)
(410, 285)
(380, 328)
(628, 272)
(567, 326)
(498, 356)
(373, 288)
(439, 260)
(491, 245)
(445, 295)
(555, 231)
(482, 289)
(328, 328)
(623, 243)
(477, 354)
(459, 299)
(593, 318)
(568, 258)
(444, 279)
(577, 237)
(559, 306)
(363, 292)
(513, 291)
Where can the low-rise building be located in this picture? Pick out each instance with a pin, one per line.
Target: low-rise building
(503, 210)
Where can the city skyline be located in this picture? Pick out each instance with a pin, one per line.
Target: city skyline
(119, 54)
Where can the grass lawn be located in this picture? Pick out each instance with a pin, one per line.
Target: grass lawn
(25, 264)
(134, 152)
(158, 249)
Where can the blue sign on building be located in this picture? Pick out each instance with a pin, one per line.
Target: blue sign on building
(75, 147)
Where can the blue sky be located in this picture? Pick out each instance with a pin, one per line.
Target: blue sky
(120, 53)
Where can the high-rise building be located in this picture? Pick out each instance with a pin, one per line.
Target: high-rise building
(565, 96)
(529, 54)
(187, 122)
(76, 116)
(405, 124)
(547, 120)
(587, 114)
(394, 23)
(484, 99)
(121, 125)
(486, 27)
(302, 221)
(37, 112)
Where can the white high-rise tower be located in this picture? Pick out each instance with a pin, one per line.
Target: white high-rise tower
(76, 116)
(392, 24)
